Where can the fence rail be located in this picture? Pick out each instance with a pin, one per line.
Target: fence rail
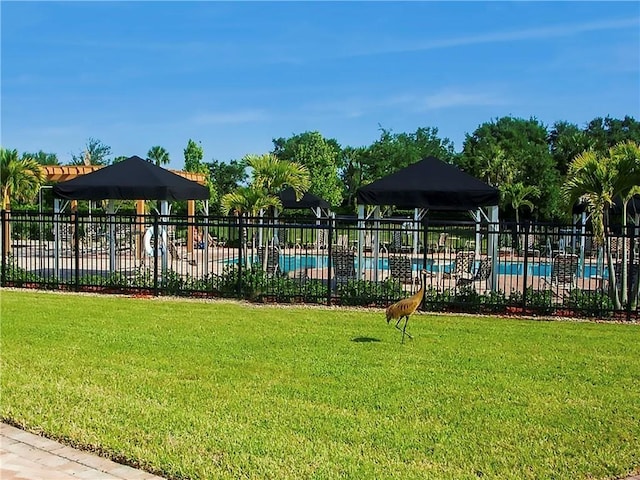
(534, 269)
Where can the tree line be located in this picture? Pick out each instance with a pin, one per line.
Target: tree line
(527, 161)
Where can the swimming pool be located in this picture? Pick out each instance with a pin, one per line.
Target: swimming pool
(288, 263)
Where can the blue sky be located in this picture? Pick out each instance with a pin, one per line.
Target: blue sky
(233, 76)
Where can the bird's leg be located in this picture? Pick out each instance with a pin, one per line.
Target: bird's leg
(398, 322)
(404, 330)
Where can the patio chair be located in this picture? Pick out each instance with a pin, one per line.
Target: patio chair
(342, 241)
(397, 245)
(66, 237)
(401, 269)
(367, 245)
(343, 262)
(480, 278)
(463, 266)
(94, 236)
(442, 243)
(273, 260)
(322, 239)
(564, 270)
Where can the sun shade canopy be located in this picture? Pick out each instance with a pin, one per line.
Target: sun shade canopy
(432, 184)
(308, 200)
(131, 179)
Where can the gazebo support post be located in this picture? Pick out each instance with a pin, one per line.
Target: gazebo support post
(376, 241)
(56, 238)
(492, 244)
(164, 215)
(111, 211)
(191, 215)
(360, 240)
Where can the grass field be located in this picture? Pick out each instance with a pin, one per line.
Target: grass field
(222, 390)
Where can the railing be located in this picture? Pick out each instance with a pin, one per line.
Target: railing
(533, 269)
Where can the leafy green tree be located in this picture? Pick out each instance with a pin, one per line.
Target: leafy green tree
(392, 152)
(566, 141)
(608, 132)
(95, 153)
(20, 178)
(119, 158)
(42, 158)
(351, 174)
(193, 155)
(524, 144)
(159, 156)
(320, 156)
(225, 178)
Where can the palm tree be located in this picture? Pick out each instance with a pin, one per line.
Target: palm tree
(159, 155)
(272, 174)
(20, 179)
(248, 201)
(518, 194)
(627, 159)
(598, 180)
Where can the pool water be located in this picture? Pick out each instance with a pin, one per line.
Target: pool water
(542, 269)
(537, 269)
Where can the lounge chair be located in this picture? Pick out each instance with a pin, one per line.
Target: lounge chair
(463, 267)
(401, 269)
(564, 270)
(479, 280)
(397, 244)
(442, 244)
(273, 259)
(322, 239)
(367, 246)
(342, 242)
(343, 262)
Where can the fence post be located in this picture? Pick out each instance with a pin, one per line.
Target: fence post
(526, 264)
(76, 250)
(156, 244)
(240, 251)
(3, 267)
(329, 255)
(630, 233)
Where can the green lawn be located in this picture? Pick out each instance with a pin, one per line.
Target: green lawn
(208, 390)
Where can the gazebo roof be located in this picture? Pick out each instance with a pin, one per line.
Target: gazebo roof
(429, 183)
(308, 200)
(131, 179)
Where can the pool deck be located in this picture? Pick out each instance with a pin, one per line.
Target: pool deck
(196, 263)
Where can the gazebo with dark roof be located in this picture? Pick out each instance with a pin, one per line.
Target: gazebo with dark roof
(431, 184)
(131, 179)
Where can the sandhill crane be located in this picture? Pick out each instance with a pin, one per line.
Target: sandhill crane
(404, 308)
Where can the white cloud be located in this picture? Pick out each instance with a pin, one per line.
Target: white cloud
(409, 102)
(241, 116)
(545, 32)
(451, 98)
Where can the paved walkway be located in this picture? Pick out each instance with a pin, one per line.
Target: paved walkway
(25, 456)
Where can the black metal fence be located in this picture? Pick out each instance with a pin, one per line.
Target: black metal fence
(535, 269)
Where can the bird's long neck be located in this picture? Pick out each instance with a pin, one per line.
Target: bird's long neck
(420, 293)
